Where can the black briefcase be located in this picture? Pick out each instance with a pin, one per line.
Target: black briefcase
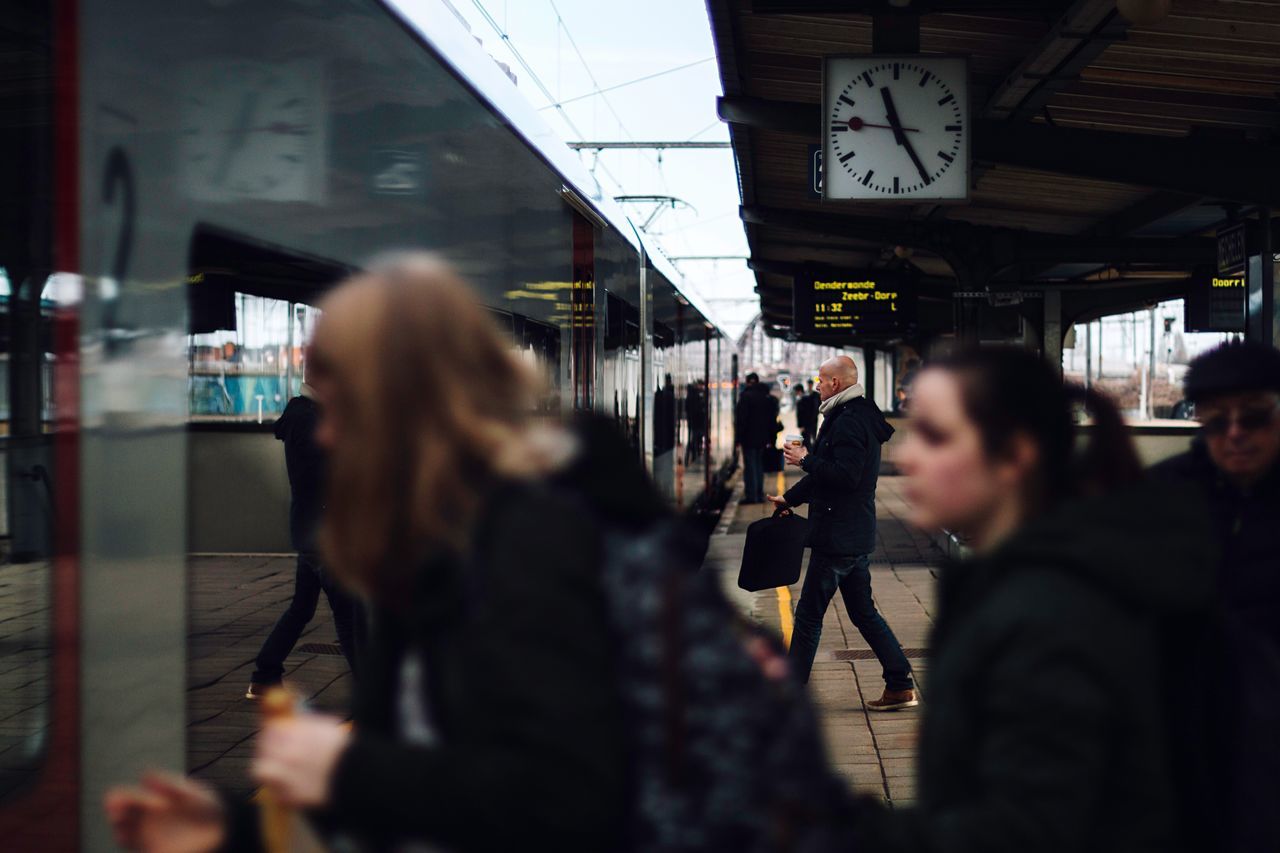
(774, 550)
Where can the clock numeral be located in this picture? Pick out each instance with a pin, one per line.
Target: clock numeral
(836, 128)
(866, 179)
(952, 128)
(896, 69)
(925, 78)
(948, 99)
(866, 75)
(845, 99)
(895, 185)
(846, 158)
(945, 156)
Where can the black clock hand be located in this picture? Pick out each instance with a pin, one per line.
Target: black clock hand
(892, 115)
(896, 124)
(238, 134)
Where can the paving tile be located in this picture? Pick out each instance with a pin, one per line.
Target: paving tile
(235, 601)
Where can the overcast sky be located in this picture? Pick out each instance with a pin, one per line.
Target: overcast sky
(621, 42)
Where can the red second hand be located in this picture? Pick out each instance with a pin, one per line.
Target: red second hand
(856, 123)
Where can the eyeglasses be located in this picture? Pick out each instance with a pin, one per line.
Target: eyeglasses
(1249, 420)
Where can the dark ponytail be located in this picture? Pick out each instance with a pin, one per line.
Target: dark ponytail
(1007, 392)
(1108, 462)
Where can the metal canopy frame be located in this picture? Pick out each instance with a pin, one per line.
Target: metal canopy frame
(1090, 134)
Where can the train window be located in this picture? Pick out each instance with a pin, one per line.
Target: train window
(251, 314)
(248, 372)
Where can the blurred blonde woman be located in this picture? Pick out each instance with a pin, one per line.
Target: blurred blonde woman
(486, 717)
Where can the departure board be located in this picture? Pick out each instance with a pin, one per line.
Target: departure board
(1227, 302)
(1216, 302)
(841, 305)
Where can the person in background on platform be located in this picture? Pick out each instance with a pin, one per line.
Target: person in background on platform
(910, 369)
(487, 714)
(1047, 726)
(755, 422)
(1235, 464)
(664, 417)
(305, 464)
(695, 413)
(840, 488)
(900, 401)
(807, 414)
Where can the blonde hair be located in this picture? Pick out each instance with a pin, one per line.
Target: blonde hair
(434, 408)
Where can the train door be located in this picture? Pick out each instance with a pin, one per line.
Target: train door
(583, 314)
(38, 438)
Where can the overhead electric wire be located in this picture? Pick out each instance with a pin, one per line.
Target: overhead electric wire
(594, 82)
(537, 81)
(617, 86)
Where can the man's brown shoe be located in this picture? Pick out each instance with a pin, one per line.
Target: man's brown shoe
(257, 691)
(894, 700)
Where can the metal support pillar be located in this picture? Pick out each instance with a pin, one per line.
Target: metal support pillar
(1270, 320)
(1151, 369)
(895, 33)
(1051, 342)
(1088, 355)
(869, 381)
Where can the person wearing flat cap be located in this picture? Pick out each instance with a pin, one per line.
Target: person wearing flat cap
(1235, 463)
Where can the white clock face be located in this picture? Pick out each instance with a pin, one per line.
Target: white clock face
(252, 130)
(896, 128)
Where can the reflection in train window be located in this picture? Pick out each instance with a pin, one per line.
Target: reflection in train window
(26, 328)
(248, 372)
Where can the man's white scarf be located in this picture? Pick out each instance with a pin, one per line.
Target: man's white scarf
(852, 392)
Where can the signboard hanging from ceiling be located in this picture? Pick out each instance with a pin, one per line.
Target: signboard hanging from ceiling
(1216, 301)
(840, 305)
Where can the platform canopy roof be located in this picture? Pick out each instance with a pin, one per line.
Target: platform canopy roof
(1104, 154)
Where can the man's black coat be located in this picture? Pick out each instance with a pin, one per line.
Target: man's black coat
(840, 486)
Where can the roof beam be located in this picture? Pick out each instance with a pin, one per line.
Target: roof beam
(1144, 212)
(1076, 39)
(1006, 247)
(1086, 305)
(1211, 168)
(884, 7)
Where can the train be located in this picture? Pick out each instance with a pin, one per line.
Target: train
(184, 181)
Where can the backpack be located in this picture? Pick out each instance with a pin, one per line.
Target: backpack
(722, 757)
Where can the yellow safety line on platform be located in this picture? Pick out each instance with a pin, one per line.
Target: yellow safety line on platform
(784, 613)
(784, 593)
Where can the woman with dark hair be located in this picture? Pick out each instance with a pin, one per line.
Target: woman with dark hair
(487, 715)
(1046, 727)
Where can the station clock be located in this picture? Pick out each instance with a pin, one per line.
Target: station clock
(896, 128)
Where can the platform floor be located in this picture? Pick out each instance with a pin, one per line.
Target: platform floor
(875, 752)
(234, 602)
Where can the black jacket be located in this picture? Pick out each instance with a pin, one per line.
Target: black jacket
(518, 660)
(755, 418)
(840, 482)
(1044, 728)
(305, 463)
(1244, 526)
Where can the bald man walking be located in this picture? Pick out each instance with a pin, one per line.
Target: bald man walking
(840, 488)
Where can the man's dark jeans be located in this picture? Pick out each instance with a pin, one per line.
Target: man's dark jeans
(309, 580)
(753, 474)
(852, 576)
